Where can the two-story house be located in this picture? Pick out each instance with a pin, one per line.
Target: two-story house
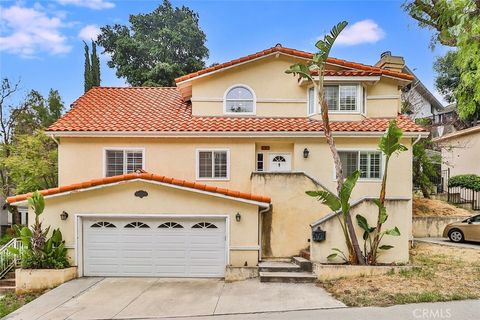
(187, 180)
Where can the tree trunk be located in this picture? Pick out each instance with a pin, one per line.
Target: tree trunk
(358, 256)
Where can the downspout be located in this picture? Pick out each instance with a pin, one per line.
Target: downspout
(414, 143)
(260, 226)
(416, 140)
(55, 139)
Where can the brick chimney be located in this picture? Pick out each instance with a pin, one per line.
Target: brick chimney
(387, 61)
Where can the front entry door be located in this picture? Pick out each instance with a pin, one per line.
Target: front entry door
(280, 162)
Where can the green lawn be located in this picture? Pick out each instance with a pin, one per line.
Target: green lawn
(11, 301)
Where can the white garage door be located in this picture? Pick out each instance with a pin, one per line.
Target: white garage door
(154, 247)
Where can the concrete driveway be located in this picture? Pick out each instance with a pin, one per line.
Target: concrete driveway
(447, 242)
(134, 298)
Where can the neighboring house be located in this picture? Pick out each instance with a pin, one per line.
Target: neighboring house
(417, 101)
(460, 151)
(187, 180)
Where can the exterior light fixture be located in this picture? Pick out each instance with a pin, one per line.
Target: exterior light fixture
(306, 152)
(238, 217)
(64, 215)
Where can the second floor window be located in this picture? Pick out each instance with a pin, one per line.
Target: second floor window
(120, 162)
(368, 162)
(213, 164)
(239, 100)
(342, 97)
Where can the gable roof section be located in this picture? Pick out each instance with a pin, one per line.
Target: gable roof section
(145, 176)
(295, 53)
(158, 111)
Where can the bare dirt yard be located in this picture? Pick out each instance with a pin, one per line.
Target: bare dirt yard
(431, 207)
(441, 274)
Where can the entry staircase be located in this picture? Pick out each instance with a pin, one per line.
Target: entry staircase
(8, 260)
(297, 269)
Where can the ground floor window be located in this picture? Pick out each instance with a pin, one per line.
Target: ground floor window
(260, 162)
(368, 162)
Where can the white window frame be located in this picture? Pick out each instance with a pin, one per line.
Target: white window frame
(263, 162)
(359, 101)
(125, 150)
(382, 164)
(254, 110)
(197, 164)
(315, 101)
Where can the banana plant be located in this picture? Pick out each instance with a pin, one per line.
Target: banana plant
(40, 252)
(314, 72)
(390, 144)
(340, 203)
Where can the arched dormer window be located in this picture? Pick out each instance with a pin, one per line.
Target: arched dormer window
(239, 99)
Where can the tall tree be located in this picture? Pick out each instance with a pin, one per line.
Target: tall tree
(87, 72)
(448, 75)
(314, 72)
(456, 24)
(27, 156)
(95, 71)
(157, 47)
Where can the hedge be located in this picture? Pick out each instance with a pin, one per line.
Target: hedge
(468, 181)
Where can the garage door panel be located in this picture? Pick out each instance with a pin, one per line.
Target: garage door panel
(167, 248)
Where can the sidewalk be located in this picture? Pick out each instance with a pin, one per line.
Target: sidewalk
(453, 310)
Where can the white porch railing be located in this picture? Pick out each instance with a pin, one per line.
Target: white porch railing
(9, 260)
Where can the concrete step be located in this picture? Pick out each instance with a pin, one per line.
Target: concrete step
(5, 289)
(287, 277)
(273, 266)
(7, 283)
(304, 264)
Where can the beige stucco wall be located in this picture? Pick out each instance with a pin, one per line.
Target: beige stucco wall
(120, 199)
(460, 154)
(399, 214)
(286, 228)
(279, 95)
(293, 210)
(423, 227)
(81, 159)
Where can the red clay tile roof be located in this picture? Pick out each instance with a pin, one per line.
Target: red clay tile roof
(144, 176)
(162, 110)
(300, 54)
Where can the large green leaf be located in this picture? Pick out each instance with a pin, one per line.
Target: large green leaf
(301, 70)
(382, 210)
(393, 232)
(390, 141)
(324, 46)
(347, 189)
(37, 202)
(327, 198)
(385, 247)
(362, 222)
(332, 256)
(13, 250)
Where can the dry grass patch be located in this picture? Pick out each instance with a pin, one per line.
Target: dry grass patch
(11, 301)
(436, 208)
(443, 274)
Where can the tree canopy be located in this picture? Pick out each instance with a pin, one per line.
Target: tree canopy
(448, 75)
(157, 47)
(456, 24)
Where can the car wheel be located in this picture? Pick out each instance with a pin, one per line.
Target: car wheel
(456, 235)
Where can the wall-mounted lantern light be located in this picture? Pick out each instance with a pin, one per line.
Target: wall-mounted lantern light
(306, 152)
(64, 215)
(238, 217)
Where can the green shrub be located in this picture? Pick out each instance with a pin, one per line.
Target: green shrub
(468, 181)
(39, 251)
